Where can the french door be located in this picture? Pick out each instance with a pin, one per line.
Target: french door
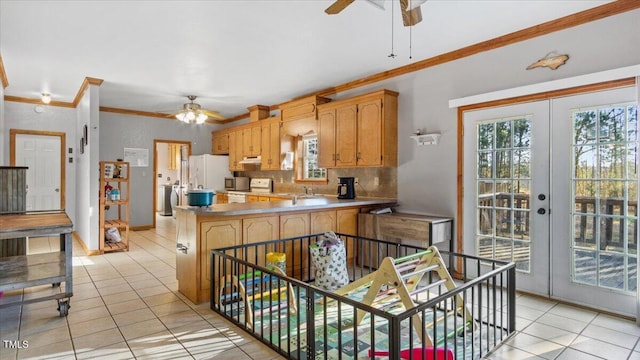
(506, 184)
(595, 216)
(553, 186)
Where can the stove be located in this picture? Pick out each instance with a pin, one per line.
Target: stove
(261, 185)
(256, 186)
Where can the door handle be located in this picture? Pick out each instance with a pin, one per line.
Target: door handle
(57, 190)
(182, 248)
(542, 211)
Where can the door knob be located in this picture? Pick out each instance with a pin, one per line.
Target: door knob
(57, 190)
(542, 211)
(541, 197)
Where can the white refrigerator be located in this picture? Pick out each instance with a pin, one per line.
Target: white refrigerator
(208, 171)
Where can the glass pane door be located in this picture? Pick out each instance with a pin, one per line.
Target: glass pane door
(595, 166)
(503, 186)
(507, 148)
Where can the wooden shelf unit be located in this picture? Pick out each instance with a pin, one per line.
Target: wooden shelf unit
(119, 217)
(28, 271)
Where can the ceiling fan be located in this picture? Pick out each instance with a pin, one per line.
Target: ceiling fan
(411, 13)
(193, 113)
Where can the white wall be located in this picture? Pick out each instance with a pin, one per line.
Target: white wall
(119, 131)
(22, 116)
(427, 177)
(88, 169)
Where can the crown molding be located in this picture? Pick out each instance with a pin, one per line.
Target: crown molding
(38, 101)
(580, 18)
(136, 112)
(3, 75)
(563, 23)
(85, 85)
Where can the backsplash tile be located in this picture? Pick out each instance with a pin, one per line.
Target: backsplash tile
(387, 181)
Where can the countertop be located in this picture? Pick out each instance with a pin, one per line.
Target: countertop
(320, 202)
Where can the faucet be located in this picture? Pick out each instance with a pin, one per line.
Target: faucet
(308, 190)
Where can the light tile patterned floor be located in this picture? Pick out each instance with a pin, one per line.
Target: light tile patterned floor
(126, 306)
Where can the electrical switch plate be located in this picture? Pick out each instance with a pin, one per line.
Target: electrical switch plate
(376, 181)
(356, 181)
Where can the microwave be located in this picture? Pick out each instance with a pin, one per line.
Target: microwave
(238, 183)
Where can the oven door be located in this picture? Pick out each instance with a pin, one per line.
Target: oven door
(237, 198)
(229, 183)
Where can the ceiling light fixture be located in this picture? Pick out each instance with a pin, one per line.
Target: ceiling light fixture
(192, 113)
(46, 98)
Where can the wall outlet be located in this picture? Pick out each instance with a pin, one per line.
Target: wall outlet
(356, 181)
(376, 181)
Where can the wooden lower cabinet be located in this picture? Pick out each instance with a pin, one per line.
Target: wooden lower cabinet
(323, 221)
(198, 234)
(292, 225)
(347, 223)
(255, 230)
(222, 198)
(214, 235)
(187, 267)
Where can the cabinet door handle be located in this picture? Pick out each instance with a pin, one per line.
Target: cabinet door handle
(337, 156)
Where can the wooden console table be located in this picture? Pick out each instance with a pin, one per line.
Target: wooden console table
(23, 271)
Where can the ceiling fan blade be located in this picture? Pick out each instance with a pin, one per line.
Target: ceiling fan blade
(337, 6)
(410, 17)
(213, 114)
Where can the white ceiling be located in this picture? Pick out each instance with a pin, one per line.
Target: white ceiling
(237, 53)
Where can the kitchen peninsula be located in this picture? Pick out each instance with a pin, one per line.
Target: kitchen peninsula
(200, 229)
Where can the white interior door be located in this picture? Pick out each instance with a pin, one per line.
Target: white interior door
(595, 197)
(506, 183)
(41, 154)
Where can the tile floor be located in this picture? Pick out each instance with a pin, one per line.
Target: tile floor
(126, 305)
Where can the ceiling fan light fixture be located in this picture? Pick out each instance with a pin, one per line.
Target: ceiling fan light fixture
(201, 118)
(190, 117)
(193, 113)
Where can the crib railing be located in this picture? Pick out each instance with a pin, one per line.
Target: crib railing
(301, 321)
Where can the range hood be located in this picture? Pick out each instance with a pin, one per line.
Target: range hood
(251, 160)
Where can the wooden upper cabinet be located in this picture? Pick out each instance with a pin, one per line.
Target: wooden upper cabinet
(327, 138)
(220, 142)
(346, 132)
(370, 144)
(364, 131)
(337, 135)
(251, 140)
(235, 150)
(270, 144)
(302, 108)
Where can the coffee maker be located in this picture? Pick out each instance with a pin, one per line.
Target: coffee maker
(346, 188)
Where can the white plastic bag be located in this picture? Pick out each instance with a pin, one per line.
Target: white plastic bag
(113, 235)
